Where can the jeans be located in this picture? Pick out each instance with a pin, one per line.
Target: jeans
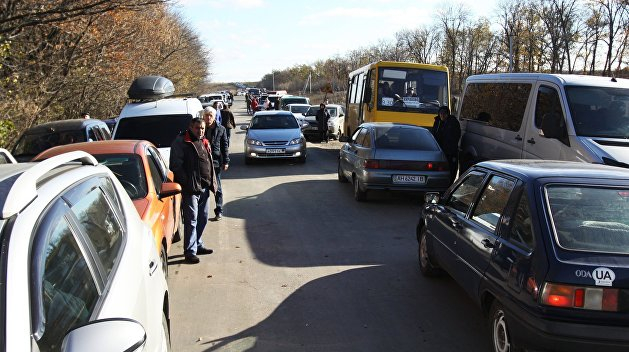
(218, 196)
(196, 208)
(228, 133)
(453, 163)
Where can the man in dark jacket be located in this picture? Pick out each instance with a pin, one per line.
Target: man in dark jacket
(217, 137)
(191, 162)
(447, 132)
(228, 121)
(322, 120)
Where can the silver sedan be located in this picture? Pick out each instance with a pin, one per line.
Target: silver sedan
(391, 156)
(273, 135)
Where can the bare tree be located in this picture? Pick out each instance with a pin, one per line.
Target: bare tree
(453, 20)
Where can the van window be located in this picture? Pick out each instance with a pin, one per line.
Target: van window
(161, 130)
(480, 104)
(548, 113)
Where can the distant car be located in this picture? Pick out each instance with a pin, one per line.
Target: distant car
(292, 99)
(148, 182)
(210, 99)
(541, 246)
(274, 135)
(298, 110)
(394, 157)
(79, 267)
(50, 134)
(6, 157)
(335, 124)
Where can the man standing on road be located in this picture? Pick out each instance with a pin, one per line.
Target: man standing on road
(447, 132)
(228, 122)
(322, 120)
(248, 102)
(191, 162)
(217, 137)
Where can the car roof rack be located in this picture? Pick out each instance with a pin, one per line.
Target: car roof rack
(24, 188)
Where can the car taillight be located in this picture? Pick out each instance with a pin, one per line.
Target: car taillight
(569, 296)
(371, 164)
(436, 166)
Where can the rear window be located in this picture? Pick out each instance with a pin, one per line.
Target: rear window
(161, 130)
(594, 219)
(409, 138)
(35, 143)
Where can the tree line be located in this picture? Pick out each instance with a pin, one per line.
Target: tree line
(60, 58)
(556, 36)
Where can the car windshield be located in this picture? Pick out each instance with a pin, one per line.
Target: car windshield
(300, 109)
(129, 170)
(407, 138)
(599, 111)
(160, 130)
(313, 111)
(254, 91)
(411, 90)
(35, 143)
(268, 122)
(594, 219)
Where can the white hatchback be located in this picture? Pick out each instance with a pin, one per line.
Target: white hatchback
(79, 268)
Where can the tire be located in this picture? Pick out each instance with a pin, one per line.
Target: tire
(498, 329)
(341, 177)
(426, 265)
(359, 194)
(164, 259)
(337, 135)
(165, 334)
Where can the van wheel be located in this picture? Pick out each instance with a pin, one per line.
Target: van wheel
(498, 329)
(337, 135)
(359, 194)
(426, 265)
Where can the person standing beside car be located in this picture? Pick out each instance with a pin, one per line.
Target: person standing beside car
(447, 132)
(248, 102)
(191, 162)
(216, 135)
(228, 121)
(323, 116)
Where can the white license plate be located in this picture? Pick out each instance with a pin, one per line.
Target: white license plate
(409, 179)
(275, 151)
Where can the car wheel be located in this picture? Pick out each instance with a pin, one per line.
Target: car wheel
(165, 334)
(498, 329)
(359, 194)
(337, 135)
(164, 257)
(426, 265)
(339, 172)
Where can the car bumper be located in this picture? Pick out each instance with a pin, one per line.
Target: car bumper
(540, 333)
(264, 152)
(435, 181)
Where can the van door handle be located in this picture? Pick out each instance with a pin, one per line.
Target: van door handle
(518, 138)
(532, 141)
(487, 243)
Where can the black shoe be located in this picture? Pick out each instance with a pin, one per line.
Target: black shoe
(192, 259)
(203, 250)
(218, 216)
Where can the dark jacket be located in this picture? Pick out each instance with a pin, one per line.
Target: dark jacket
(185, 164)
(228, 119)
(322, 118)
(447, 133)
(217, 137)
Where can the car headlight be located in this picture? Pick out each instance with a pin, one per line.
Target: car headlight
(295, 141)
(253, 142)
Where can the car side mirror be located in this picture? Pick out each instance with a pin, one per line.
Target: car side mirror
(244, 127)
(431, 198)
(169, 189)
(344, 139)
(116, 335)
(341, 115)
(304, 124)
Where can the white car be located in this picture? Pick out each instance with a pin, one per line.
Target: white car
(298, 110)
(80, 270)
(335, 123)
(6, 157)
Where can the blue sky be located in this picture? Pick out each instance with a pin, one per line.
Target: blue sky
(250, 38)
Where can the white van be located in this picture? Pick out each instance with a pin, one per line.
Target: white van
(544, 116)
(153, 117)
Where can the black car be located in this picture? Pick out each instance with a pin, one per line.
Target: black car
(541, 246)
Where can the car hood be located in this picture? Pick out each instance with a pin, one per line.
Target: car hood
(612, 148)
(276, 135)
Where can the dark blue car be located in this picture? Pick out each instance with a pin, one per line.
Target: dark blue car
(541, 246)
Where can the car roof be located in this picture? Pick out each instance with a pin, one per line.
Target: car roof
(65, 125)
(273, 112)
(559, 79)
(298, 104)
(389, 125)
(536, 169)
(119, 146)
(168, 106)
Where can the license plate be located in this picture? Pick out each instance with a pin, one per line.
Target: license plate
(275, 151)
(409, 179)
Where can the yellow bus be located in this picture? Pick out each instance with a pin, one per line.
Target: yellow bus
(387, 91)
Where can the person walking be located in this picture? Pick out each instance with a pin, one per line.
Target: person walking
(216, 135)
(322, 120)
(248, 102)
(228, 122)
(191, 162)
(447, 132)
(218, 106)
(254, 105)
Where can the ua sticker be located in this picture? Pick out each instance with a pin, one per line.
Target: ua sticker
(603, 276)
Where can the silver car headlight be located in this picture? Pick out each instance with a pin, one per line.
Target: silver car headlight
(295, 141)
(251, 141)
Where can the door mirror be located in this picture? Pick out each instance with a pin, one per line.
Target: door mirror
(304, 124)
(169, 189)
(341, 115)
(432, 198)
(116, 335)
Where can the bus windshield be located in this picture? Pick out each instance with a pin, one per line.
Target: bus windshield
(411, 90)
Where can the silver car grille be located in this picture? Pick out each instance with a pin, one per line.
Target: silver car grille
(275, 142)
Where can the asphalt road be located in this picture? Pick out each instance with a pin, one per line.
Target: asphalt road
(300, 266)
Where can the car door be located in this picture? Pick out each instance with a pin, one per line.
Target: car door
(349, 152)
(166, 223)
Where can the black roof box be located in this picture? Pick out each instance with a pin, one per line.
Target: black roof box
(151, 88)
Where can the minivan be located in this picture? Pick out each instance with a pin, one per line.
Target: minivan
(544, 116)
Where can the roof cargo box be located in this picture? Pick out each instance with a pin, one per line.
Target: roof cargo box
(151, 88)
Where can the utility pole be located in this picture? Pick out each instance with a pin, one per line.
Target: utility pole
(273, 72)
(510, 52)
